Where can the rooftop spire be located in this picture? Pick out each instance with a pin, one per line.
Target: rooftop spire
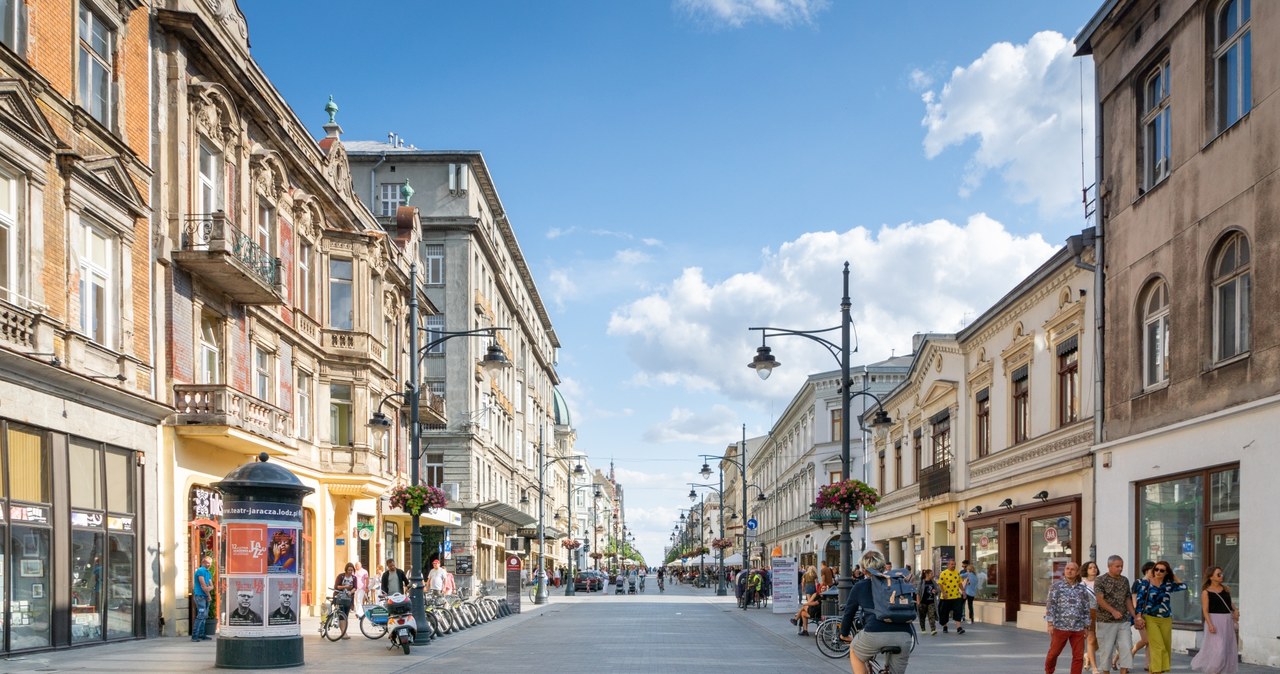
(331, 129)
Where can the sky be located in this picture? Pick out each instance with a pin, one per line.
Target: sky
(679, 170)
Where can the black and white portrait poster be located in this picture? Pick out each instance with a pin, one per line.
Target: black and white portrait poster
(282, 600)
(244, 602)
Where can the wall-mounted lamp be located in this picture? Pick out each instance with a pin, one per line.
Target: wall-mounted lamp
(1042, 496)
(117, 377)
(976, 510)
(1007, 503)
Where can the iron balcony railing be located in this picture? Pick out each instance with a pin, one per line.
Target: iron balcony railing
(213, 231)
(935, 480)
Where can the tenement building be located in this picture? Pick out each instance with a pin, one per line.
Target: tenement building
(78, 417)
(1187, 119)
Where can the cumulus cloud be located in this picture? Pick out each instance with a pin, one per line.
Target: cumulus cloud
(737, 13)
(685, 425)
(913, 277)
(1023, 104)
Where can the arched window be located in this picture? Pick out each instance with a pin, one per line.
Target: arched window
(1232, 61)
(1155, 334)
(1231, 289)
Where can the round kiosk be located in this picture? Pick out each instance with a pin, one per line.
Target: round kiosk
(261, 572)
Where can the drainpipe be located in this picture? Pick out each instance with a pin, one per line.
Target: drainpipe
(1099, 302)
(373, 183)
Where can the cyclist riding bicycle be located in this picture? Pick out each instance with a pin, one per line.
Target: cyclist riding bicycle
(875, 635)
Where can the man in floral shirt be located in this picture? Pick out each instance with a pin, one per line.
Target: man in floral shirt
(1115, 609)
(951, 601)
(1067, 614)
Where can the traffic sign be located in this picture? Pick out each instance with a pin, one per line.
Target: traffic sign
(752, 524)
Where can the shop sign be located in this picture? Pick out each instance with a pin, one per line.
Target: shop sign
(984, 542)
(33, 514)
(206, 504)
(1050, 535)
(84, 519)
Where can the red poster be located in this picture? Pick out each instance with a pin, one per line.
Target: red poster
(246, 548)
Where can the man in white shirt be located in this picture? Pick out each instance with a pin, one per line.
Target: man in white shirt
(362, 588)
(436, 577)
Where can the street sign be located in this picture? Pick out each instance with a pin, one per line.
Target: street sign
(752, 524)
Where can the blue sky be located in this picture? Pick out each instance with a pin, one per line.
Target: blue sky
(679, 170)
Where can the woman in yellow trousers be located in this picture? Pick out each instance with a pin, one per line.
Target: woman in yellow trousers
(1153, 604)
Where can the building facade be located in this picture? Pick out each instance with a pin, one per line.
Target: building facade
(78, 383)
(476, 274)
(987, 458)
(1187, 177)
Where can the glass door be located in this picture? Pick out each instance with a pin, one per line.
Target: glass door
(1225, 552)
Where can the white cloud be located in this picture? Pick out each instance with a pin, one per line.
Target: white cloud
(631, 257)
(737, 13)
(692, 333)
(920, 80)
(684, 425)
(1023, 103)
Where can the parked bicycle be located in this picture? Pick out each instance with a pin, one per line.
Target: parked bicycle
(333, 625)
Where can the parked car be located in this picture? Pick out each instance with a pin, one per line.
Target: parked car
(588, 581)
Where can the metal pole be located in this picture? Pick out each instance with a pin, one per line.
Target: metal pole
(720, 588)
(568, 588)
(540, 597)
(846, 539)
(415, 449)
(746, 549)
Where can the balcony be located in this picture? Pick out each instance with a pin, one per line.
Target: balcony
(825, 516)
(223, 413)
(351, 344)
(228, 259)
(935, 480)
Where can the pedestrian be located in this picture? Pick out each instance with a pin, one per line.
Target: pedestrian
(951, 599)
(344, 586)
(828, 574)
(969, 579)
(927, 606)
(435, 577)
(393, 580)
(201, 592)
(1067, 617)
(1158, 614)
(362, 588)
(1115, 609)
(755, 585)
(875, 635)
(1218, 653)
(1139, 588)
(1089, 577)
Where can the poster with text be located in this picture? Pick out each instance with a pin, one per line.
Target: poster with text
(282, 550)
(245, 601)
(246, 548)
(785, 597)
(282, 602)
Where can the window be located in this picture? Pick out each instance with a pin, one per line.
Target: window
(917, 450)
(96, 48)
(1050, 554)
(837, 424)
(389, 337)
(897, 465)
(984, 552)
(1231, 288)
(883, 483)
(304, 405)
(262, 361)
(341, 307)
(264, 228)
(941, 438)
(1068, 381)
(389, 199)
(8, 235)
(13, 23)
(982, 426)
(96, 277)
(433, 469)
(340, 410)
(209, 194)
(433, 255)
(1232, 62)
(1156, 138)
(375, 306)
(435, 330)
(209, 364)
(305, 280)
(1155, 335)
(1021, 405)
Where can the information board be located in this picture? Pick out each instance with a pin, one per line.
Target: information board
(514, 578)
(786, 598)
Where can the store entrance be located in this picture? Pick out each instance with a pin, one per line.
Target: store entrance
(1224, 551)
(1011, 570)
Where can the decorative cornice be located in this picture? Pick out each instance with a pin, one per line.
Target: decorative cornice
(1016, 457)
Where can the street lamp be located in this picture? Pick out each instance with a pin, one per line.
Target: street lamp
(569, 590)
(540, 597)
(494, 359)
(764, 363)
(741, 464)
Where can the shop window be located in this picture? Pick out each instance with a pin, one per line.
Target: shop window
(1179, 516)
(102, 542)
(984, 546)
(26, 543)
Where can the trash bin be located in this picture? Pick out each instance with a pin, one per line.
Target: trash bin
(830, 605)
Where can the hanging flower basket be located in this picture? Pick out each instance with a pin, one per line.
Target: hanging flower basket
(699, 551)
(848, 496)
(570, 543)
(418, 498)
(596, 555)
(613, 555)
(722, 543)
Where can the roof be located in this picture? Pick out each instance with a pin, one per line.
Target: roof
(561, 408)
(1084, 41)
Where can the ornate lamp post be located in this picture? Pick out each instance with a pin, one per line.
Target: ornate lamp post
(494, 359)
(741, 464)
(540, 597)
(764, 363)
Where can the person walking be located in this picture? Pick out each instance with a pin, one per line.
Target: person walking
(969, 579)
(828, 574)
(1139, 590)
(927, 606)
(875, 634)
(1218, 653)
(951, 601)
(1067, 616)
(346, 581)
(1157, 612)
(1089, 576)
(435, 577)
(393, 580)
(1115, 609)
(362, 588)
(202, 590)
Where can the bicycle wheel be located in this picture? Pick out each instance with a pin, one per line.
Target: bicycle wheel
(533, 592)
(828, 638)
(371, 629)
(335, 626)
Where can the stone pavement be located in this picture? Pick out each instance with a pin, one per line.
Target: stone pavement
(683, 630)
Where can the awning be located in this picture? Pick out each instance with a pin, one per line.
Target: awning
(733, 560)
(441, 517)
(506, 514)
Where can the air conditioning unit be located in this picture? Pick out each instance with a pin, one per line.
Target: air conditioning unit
(450, 490)
(515, 544)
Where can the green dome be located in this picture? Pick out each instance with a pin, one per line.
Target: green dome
(561, 410)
